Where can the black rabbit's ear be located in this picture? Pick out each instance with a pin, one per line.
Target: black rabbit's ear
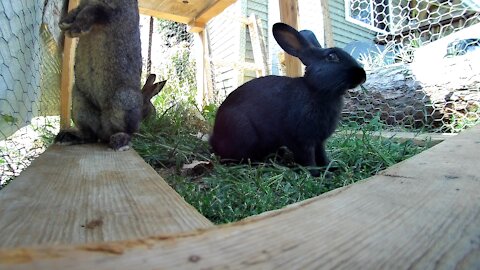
(289, 39)
(311, 38)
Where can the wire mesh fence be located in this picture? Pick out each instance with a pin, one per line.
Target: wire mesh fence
(171, 58)
(424, 68)
(29, 81)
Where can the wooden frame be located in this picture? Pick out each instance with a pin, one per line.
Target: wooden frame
(66, 83)
(289, 15)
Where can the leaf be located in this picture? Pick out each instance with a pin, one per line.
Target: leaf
(8, 118)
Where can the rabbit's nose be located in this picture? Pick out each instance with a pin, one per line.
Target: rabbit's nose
(358, 76)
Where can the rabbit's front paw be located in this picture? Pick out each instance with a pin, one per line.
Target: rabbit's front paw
(75, 26)
(75, 29)
(120, 141)
(68, 137)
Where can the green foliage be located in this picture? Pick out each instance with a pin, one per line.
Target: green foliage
(209, 112)
(470, 118)
(229, 192)
(177, 66)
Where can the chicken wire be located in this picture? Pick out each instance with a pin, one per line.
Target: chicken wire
(171, 58)
(30, 63)
(425, 71)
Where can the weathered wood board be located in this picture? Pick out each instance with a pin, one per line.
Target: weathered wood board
(423, 213)
(421, 139)
(196, 13)
(89, 193)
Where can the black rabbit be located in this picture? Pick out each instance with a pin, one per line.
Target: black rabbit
(106, 97)
(267, 113)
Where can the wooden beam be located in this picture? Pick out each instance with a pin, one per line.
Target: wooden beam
(420, 139)
(164, 15)
(259, 51)
(200, 44)
(423, 213)
(289, 15)
(327, 24)
(194, 13)
(209, 12)
(67, 79)
(87, 194)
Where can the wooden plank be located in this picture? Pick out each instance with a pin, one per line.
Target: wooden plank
(289, 15)
(66, 83)
(210, 11)
(196, 13)
(164, 15)
(200, 47)
(89, 193)
(175, 10)
(420, 139)
(423, 213)
(259, 51)
(327, 24)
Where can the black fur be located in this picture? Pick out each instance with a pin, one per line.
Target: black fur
(299, 113)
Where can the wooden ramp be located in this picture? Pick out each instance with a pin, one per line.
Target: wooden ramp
(423, 213)
(88, 193)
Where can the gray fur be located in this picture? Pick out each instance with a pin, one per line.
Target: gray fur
(107, 101)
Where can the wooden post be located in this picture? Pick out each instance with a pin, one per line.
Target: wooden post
(259, 54)
(204, 89)
(67, 76)
(198, 43)
(289, 15)
(327, 24)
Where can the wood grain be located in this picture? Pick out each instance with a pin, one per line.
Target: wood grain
(66, 83)
(289, 15)
(327, 24)
(258, 46)
(420, 139)
(88, 193)
(423, 213)
(196, 13)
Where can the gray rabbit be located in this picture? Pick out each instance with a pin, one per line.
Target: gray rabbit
(106, 98)
(149, 90)
(267, 113)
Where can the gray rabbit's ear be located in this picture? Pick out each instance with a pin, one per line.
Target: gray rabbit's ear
(159, 86)
(311, 38)
(150, 79)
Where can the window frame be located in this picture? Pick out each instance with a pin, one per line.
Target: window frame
(349, 18)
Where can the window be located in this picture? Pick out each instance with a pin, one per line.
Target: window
(372, 14)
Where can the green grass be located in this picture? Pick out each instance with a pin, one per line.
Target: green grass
(227, 193)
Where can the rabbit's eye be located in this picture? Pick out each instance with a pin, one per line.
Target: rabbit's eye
(332, 57)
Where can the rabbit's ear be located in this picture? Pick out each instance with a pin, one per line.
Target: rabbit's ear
(150, 79)
(153, 89)
(158, 87)
(289, 39)
(311, 38)
(292, 41)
